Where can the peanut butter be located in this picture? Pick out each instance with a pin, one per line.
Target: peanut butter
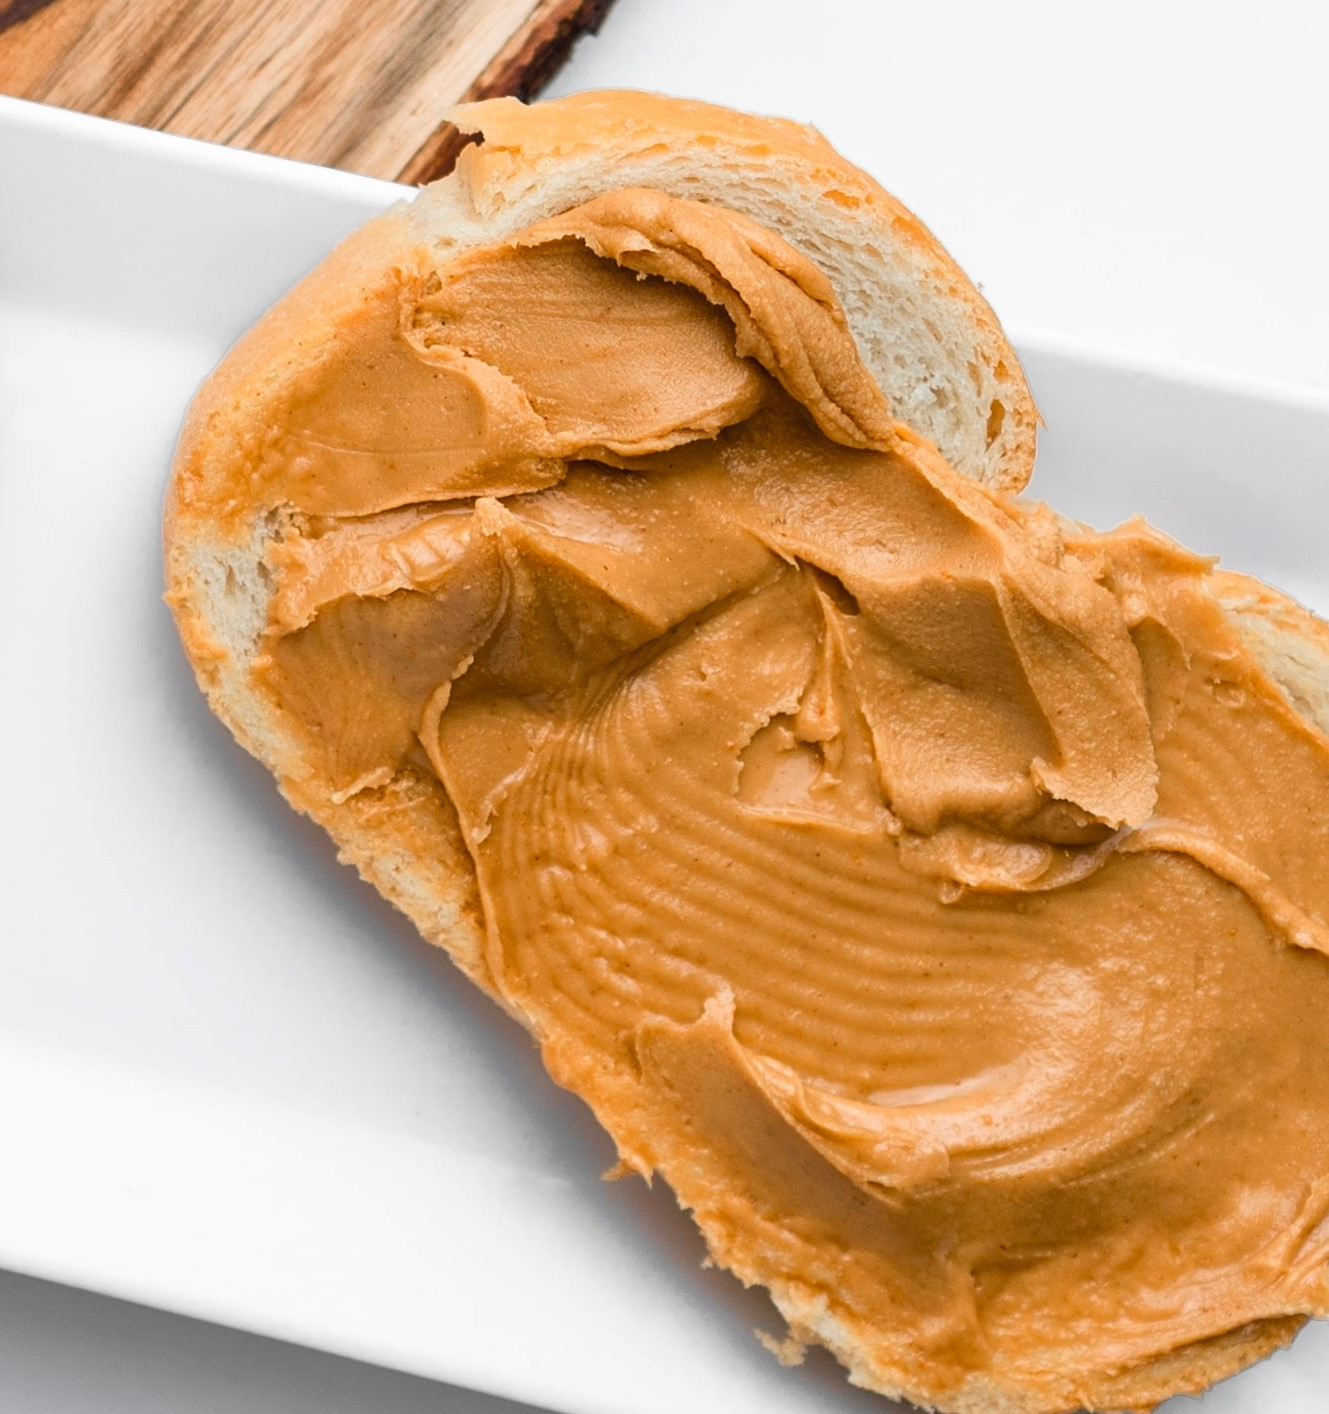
(932, 891)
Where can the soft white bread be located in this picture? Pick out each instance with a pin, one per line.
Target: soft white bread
(924, 333)
(923, 330)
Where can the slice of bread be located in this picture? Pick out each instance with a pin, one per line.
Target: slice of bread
(923, 332)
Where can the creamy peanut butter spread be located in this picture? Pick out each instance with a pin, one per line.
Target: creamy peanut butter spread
(934, 891)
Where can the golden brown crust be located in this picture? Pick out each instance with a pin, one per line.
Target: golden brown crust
(520, 137)
(213, 545)
(525, 147)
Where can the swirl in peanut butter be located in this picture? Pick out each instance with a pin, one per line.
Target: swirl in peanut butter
(932, 891)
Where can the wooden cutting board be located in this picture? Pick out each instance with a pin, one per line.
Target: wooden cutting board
(358, 84)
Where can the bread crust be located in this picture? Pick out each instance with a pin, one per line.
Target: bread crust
(403, 837)
(788, 177)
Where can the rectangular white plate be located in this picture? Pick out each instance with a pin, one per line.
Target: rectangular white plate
(233, 1082)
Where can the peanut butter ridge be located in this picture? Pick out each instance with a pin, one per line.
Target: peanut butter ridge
(933, 895)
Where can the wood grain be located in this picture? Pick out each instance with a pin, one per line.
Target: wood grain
(13, 11)
(357, 84)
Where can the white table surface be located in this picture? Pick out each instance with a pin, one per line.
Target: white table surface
(1145, 177)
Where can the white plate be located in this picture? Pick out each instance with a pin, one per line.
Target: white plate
(233, 1083)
